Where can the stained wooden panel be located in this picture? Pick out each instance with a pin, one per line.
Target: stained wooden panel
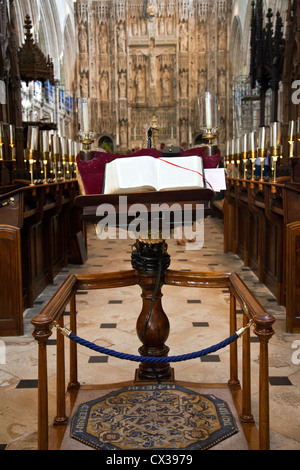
(263, 227)
(11, 311)
(36, 242)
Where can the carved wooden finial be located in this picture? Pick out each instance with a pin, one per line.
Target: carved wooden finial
(33, 64)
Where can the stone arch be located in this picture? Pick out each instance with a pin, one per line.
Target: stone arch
(69, 57)
(235, 47)
(105, 142)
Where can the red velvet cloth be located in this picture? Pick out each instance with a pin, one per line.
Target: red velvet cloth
(92, 172)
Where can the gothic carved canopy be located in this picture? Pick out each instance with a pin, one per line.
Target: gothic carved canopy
(33, 64)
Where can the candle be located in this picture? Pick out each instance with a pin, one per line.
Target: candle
(237, 146)
(134, 132)
(63, 142)
(227, 148)
(85, 117)
(262, 138)
(70, 147)
(45, 141)
(12, 134)
(245, 143)
(291, 131)
(208, 113)
(252, 145)
(275, 134)
(232, 147)
(54, 139)
(34, 138)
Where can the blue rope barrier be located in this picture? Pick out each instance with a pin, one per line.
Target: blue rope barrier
(150, 359)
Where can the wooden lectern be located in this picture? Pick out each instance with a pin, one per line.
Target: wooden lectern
(150, 261)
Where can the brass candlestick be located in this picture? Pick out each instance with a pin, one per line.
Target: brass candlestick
(55, 172)
(59, 170)
(275, 153)
(232, 166)
(64, 162)
(45, 163)
(31, 162)
(209, 135)
(262, 162)
(238, 162)
(12, 151)
(291, 146)
(227, 163)
(291, 134)
(252, 158)
(12, 141)
(86, 139)
(244, 155)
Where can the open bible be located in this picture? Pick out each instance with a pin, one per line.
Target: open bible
(139, 174)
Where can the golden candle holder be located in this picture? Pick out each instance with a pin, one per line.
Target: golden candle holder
(275, 154)
(67, 171)
(227, 163)
(232, 166)
(291, 134)
(12, 142)
(1, 149)
(252, 158)
(59, 176)
(12, 151)
(55, 168)
(244, 157)
(238, 162)
(209, 135)
(31, 163)
(291, 149)
(262, 156)
(86, 139)
(64, 162)
(45, 163)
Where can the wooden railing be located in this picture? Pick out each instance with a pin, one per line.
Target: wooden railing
(239, 294)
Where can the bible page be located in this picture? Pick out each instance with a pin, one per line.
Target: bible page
(131, 174)
(177, 174)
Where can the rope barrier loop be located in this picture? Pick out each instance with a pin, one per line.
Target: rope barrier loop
(150, 359)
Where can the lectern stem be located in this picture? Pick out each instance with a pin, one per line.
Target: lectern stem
(151, 260)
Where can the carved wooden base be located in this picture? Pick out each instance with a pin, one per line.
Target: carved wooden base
(151, 260)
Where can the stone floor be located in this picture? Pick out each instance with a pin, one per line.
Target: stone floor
(198, 320)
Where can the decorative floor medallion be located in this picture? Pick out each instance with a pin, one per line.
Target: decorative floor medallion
(153, 417)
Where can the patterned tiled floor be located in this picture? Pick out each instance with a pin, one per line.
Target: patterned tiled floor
(198, 320)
